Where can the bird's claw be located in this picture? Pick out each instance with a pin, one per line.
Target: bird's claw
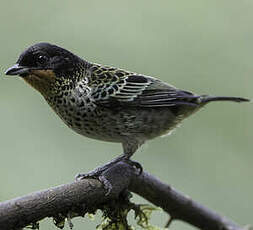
(106, 183)
(81, 176)
(135, 164)
(99, 173)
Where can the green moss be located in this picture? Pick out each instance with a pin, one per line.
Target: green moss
(115, 215)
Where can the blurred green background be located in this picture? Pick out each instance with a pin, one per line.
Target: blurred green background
(203, 46)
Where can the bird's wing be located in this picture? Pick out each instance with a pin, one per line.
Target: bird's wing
(111, 85)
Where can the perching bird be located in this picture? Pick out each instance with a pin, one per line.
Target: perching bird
(107, 103)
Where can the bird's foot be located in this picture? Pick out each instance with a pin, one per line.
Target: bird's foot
(100, 172)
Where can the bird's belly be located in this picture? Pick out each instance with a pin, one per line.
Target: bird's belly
(115, 125)
(91, 127)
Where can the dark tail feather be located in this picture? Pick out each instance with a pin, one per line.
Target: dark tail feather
(206, 99)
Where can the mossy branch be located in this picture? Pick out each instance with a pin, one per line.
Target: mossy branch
(88, 195)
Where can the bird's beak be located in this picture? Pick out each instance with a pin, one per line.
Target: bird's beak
(17, 70)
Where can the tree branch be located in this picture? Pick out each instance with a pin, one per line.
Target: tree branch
(89, 194)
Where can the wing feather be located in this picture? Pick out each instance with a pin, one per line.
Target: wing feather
(130, 89)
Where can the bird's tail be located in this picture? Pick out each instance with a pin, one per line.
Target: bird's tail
(205, 99)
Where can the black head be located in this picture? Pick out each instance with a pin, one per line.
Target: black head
(44, 56)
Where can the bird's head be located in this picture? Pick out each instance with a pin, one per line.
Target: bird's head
(46, 67)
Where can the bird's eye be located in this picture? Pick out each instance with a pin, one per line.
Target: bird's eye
(42, 59)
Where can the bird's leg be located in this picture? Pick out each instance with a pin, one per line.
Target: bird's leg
(130, 145)
(98, 173)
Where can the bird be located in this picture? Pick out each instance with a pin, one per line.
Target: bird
(104, 102)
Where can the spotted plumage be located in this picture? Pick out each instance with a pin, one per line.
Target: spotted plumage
(106, 103)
